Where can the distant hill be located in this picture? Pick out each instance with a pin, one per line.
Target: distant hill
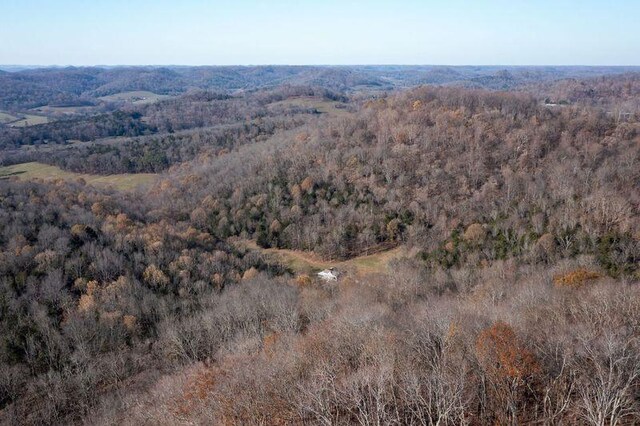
(25, 87)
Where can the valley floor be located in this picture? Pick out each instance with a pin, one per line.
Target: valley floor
(303, 262)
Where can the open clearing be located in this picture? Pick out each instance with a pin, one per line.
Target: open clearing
(7, 118)
(303, 262)
(64, 110)
(29, 120)
(28, 171)
(135, 97)
(323, 106)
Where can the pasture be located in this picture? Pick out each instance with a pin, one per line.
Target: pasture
(135, 97)
(322, 106)
(7, 118)
(62, 111)
(34, 170)
(29, 120)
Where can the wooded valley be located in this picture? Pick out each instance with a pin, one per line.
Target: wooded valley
(484, 220)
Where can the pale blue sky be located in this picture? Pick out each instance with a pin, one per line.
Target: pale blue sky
(198, 32)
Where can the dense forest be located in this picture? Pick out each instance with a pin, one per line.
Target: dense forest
(513, 195)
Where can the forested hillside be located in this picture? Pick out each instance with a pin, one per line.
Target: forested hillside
(423, 166)
(512, 295)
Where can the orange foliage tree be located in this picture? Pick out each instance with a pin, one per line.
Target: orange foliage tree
(510, 370)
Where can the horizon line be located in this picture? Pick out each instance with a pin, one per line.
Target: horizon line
(317, 65)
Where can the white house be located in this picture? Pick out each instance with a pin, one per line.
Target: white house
(328, 275)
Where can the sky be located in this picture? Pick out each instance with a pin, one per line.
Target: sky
(340, 32)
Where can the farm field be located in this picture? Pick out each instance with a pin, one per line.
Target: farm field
(331, 108)
(7, 118)
(135, 97)
(30, 120)
(28, 171)
(64, 110)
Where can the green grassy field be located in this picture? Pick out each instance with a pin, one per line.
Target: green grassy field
(30, 120)
(27, 171)
(135, 97)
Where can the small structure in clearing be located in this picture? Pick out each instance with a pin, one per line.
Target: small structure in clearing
(328, 274)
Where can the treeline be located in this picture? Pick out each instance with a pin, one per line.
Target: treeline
(115, 124)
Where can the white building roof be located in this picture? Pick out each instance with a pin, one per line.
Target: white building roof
(328, 275)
